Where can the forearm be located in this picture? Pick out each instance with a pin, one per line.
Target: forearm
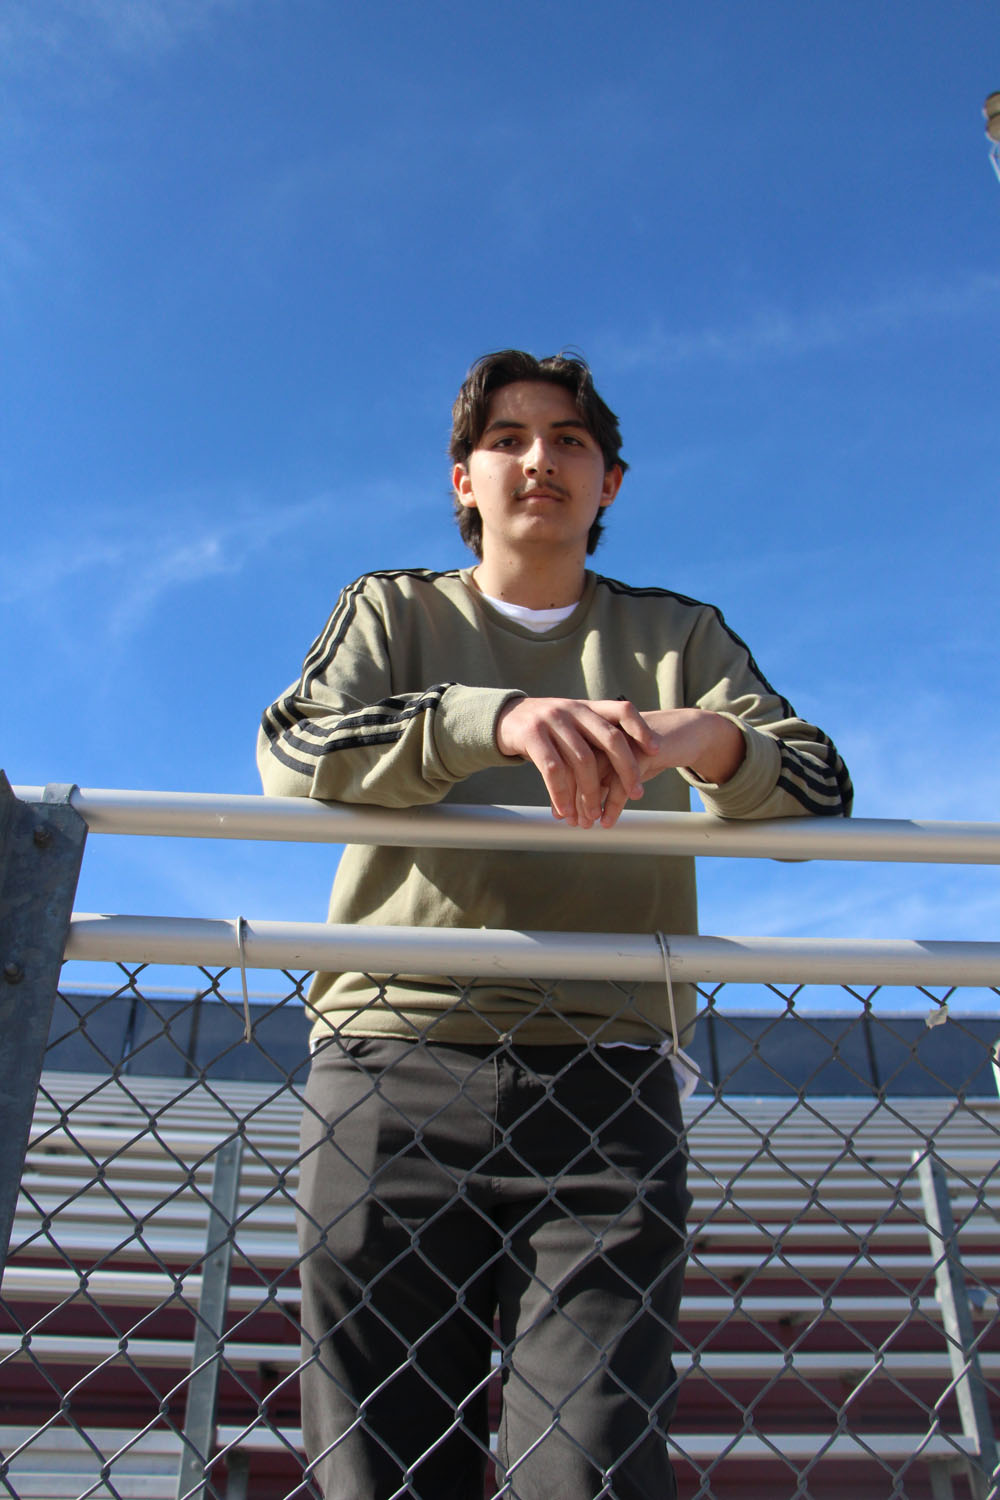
(790, 768)
(706, 743)
(400, 751)
(369, 719)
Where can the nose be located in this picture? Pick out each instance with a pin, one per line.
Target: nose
(540, 458)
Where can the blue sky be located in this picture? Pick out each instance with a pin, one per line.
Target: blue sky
(249, 249)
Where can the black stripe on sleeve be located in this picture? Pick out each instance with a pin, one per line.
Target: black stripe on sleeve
(380, 724)
(324, 648)
(812, 775)
(797, 783)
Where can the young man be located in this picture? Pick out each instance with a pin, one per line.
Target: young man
(473, 1150)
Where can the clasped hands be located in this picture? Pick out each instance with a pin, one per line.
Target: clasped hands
(594, 756)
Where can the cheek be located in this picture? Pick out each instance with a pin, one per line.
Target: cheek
(491, 475)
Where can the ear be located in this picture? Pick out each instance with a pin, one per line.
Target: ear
(462, 485)
(612, 484)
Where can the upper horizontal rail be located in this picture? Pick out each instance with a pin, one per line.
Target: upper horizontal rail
(456, 826)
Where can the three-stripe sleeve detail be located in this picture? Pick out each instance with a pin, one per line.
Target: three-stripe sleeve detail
(300, 744)
(824, 795)
(300, 741)
(322, 651)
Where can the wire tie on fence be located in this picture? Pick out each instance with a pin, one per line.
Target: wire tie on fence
(686, 1070)
(240, 939)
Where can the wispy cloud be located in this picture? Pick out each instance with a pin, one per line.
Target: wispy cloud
(911, 759)
(81, 30)
(913, 763)
(776, 332)
(135, 564)
(137, 557)
(851, 900)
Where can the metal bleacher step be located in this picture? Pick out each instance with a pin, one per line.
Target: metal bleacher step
(811, 1280)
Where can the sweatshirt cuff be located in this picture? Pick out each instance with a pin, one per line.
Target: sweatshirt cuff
(751, 785)
(465, 729)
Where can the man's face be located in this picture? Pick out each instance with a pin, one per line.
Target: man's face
(537, 475)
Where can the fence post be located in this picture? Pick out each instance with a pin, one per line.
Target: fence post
(953, 1297)
(41, 848)
(203, 1387)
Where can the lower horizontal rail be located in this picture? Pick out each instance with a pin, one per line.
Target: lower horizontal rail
(481, 953)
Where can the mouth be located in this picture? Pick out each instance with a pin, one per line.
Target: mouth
(548, 494)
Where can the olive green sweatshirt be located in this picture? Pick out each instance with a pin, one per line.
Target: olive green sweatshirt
(397, 706)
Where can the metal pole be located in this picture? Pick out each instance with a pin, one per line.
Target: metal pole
(634, 957)
(238, 1467)
(41, 847)
(203, 1386)
(956, 1317)
(941, 1486)
(458, 826)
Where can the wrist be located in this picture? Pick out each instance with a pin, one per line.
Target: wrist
(501, 741)
(722, 752)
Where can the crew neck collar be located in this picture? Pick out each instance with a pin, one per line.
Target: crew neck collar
(498, 613)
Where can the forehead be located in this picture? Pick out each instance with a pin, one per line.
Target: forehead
(532, 402)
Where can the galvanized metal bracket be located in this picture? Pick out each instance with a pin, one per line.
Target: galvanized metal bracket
(41, 849)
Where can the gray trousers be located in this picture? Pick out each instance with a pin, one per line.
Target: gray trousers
(447, 1190)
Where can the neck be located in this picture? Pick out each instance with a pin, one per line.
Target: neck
(543, 584)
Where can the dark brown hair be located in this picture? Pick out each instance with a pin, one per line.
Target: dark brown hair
(489, 375)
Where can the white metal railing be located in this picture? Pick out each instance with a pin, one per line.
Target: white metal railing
(245, 944)
(455, 826)
(530, 955)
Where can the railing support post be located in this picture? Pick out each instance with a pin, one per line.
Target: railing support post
(41, 847)
(956, 1316)
(203, 1387)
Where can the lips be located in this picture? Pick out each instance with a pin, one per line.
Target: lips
(546, 494)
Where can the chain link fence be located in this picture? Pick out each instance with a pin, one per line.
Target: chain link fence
(835, 1330)
(839, 1320)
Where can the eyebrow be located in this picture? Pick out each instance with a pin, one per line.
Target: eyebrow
(505, 423)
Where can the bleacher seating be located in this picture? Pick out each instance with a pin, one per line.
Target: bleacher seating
(811, 1355)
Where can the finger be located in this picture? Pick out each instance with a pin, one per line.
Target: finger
(614, 803)
(619, 749)
(566, 760)
(588, 805)
(567, 763)
(628, 718)
(616, 798)
(583, 773)
(546, 755)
